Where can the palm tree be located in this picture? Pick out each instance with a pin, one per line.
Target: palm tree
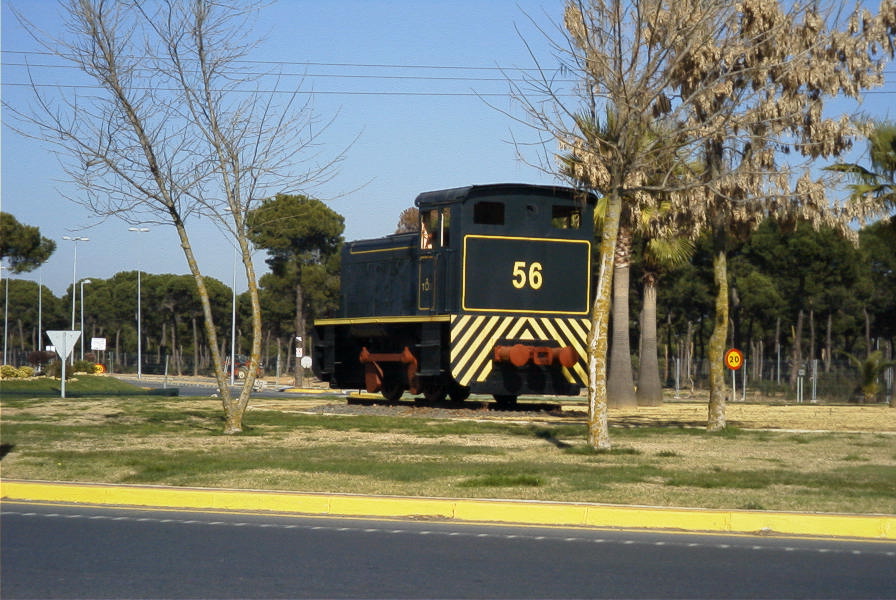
(870, 370)
(620, 378)
(874, 192)
(644, 217)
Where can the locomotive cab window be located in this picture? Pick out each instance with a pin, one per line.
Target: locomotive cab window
(434, 226)
(566, 217)
(429, 226)
(488, 213)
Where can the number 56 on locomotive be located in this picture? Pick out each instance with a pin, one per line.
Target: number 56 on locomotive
(491, 296)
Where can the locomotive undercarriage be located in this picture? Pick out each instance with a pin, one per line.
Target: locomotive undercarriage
(414, 357)
(389, 358)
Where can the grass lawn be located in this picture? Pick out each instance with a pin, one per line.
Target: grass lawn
(656, 459)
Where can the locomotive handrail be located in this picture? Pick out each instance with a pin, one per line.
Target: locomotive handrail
(374, 320)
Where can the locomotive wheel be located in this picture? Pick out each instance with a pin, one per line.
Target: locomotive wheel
(505, 401)
(458, 393)
(435, 394)
(392, 390)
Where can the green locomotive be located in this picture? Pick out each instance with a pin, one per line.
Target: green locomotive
(491, 296)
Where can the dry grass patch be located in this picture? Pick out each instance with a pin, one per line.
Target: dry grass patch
(662, 456)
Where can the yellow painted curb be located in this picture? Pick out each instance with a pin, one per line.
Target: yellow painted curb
(879, 527)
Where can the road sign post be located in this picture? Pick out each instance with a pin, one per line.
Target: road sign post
(734, 360)
(64, 341)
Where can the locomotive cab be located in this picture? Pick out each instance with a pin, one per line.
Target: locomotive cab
(491, 295)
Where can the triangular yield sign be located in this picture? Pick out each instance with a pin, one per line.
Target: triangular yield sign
(64, 341)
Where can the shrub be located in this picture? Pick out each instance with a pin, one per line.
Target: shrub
(40, 357)
(84, 366)
(54, 369)
(26, 371)
(8, 372)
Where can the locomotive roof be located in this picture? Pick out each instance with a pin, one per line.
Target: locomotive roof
(454, 195)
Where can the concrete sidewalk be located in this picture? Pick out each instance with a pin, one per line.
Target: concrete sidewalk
(560, 514)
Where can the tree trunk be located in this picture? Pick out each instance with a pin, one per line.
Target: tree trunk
(650, 388)
(828, 345)
(598, 427)
(811, 335)
(236, 408)
(867, 330)
(797, 360)
(300, 330)
(778, 350)
(195, 348)
(620, 383)
(716, 353)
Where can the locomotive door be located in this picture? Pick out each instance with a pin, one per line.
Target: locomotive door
(433, 240)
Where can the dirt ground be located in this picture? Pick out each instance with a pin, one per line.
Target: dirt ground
(876, 418)
(799, 417)
(756, 413)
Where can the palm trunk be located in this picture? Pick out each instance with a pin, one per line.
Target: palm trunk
(620, 383)
(716, 351)
(650, 389)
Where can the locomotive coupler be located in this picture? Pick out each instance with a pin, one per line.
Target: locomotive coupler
(373, 373)
(519, 355)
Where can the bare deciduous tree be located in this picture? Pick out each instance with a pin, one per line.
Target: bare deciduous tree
(174, 128)
(736, 87)
(757, 85)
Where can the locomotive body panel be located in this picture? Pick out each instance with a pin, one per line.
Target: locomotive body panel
(368, 267)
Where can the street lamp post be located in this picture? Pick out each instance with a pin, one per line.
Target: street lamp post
(83, 281)
(139, 317)
(5, 313)
(75, 241)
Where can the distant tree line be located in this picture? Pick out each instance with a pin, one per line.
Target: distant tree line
(302, 237)
(797, 295)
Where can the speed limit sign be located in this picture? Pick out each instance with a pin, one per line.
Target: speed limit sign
(734, 359)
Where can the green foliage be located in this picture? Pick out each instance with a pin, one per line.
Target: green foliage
(84, 366)
(22, 246)
(870, 370)
(302, 237)
(878, 181)
(878, 248)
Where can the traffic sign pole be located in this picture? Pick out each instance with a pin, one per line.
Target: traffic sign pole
(734, 360)
(64, 342)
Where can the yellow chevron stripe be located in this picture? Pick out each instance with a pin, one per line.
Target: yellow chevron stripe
(473, 338)
(481, 364)
(572, 331)
(463, 324)
(473, 344)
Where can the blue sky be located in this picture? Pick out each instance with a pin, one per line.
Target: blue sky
(402, 76)
(414, 133)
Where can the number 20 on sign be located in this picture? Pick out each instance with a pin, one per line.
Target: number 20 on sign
(734, 359)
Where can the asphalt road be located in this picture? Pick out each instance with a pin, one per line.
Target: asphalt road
(66, 551)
